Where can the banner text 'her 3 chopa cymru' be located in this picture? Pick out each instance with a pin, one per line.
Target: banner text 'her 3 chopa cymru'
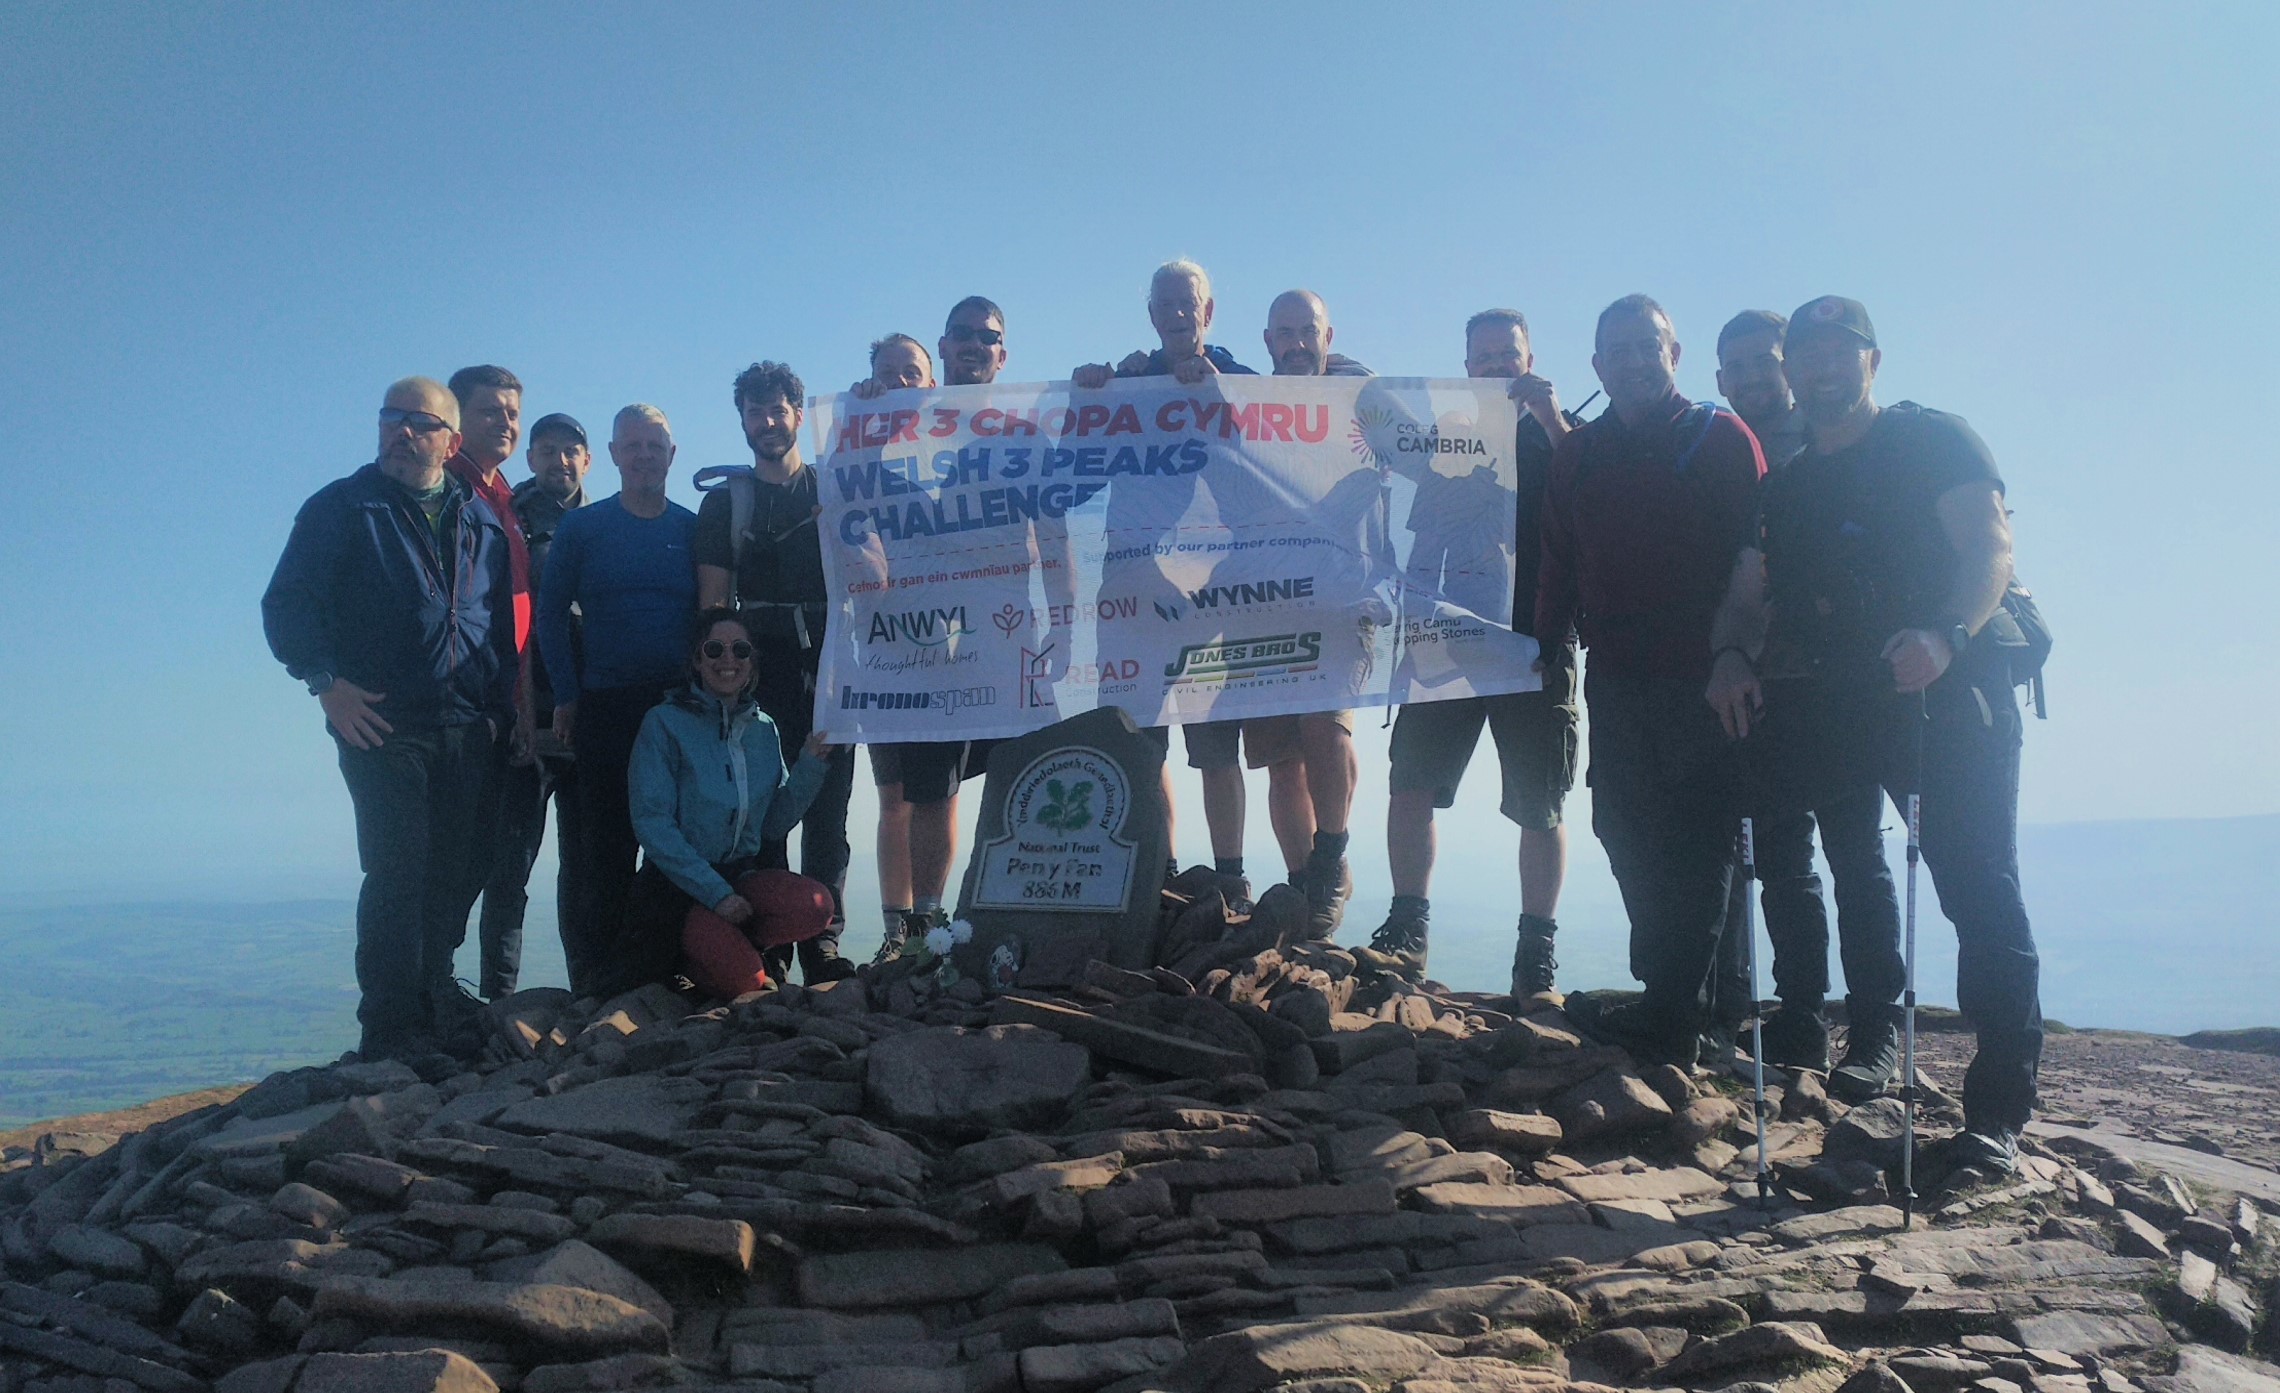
(1006, 556)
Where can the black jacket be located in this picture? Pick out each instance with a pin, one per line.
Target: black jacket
(365, 593)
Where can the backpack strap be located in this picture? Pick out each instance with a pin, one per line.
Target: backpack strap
(743, 500)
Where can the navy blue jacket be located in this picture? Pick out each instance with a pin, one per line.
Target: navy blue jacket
(362, 592)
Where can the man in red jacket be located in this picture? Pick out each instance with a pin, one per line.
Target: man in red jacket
(1643, 512)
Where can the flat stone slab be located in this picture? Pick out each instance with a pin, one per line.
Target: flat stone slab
(570, 1320)
(2215, 1172)
(638, 1107)
(1246, 1361)
(1676, 1185)
(919, 1276)
(2081, 1332)
(974, 1080)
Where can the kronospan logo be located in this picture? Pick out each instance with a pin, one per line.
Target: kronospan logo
(1228, 657)
(947, 700)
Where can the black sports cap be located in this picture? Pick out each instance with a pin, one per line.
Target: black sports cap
(558, 423)
(1831, 312)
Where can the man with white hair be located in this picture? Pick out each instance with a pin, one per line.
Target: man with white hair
(628, 564)
(394, 604)
(1180, 307)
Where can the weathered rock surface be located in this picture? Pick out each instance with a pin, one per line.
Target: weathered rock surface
(1263, 1166)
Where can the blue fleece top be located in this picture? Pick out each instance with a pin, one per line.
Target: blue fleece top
(634, 581)
(708, 786)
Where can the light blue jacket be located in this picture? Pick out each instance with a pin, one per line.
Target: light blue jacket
(709, 786)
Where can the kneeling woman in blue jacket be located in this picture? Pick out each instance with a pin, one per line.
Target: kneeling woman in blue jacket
(708, 787)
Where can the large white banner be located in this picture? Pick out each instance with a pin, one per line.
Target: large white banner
(1005, 556)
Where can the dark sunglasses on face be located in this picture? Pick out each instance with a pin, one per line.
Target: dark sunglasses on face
(738, 649)
(421, 422)
(967, 333)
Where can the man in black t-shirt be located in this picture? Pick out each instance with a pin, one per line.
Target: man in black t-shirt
(773, 573)
(1786, 802)
(1886, 552)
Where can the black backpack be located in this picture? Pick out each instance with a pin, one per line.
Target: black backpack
(2017, 632)
(2020, 634)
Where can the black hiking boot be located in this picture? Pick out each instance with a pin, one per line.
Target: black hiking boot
(1872, 1053)
(1235, 889)
(1533, 965)
(1650, 1037)
(1399, 945)
(1328, 885)
(1796, 1038)
(1972, 1159)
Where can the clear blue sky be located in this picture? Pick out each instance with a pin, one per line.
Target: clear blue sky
(223, 229)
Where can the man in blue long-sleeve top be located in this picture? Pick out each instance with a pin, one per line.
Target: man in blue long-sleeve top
(394, 603)
(628, 565)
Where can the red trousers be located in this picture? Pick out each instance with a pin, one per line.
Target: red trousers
(723, 959)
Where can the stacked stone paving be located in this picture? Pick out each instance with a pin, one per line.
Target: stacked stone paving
(1261, 1167)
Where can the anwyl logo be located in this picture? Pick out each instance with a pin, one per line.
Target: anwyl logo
(927, 628)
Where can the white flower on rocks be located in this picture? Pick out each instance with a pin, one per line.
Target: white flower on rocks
(938, 941)
(961, 931)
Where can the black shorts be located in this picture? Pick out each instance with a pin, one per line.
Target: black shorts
(1536, 745)
(929, 771)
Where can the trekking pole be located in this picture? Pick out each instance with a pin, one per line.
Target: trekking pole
(1757, 1024)
(1908, 994)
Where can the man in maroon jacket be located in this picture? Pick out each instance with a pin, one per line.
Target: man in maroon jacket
(1643, 512)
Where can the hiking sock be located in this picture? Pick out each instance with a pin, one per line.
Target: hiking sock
(894, 917)
(1171, 868)
(1227, 865)
(1412, 907)
(1329, 846)
(926, 906)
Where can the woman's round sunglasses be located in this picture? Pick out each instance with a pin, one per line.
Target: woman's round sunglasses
(736, 648)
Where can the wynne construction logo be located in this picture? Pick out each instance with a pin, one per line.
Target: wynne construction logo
(1245, 593)
(1246, 657)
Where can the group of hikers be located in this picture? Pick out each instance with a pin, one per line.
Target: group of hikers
(1796, 607)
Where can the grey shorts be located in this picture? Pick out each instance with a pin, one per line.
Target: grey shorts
(1536, 745)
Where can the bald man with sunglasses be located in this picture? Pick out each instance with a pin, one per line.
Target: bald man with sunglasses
(394, 604)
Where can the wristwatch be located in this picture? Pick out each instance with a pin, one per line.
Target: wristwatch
(319, 683)
(1959, 638)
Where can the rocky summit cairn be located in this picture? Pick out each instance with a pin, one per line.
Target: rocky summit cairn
(1257, 1166)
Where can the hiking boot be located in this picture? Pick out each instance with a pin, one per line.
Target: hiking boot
(1650, 1037)
(898, 938)
(1235, 889)
(1719, 1047)
(1328, 885)
(1796, 1038)
(1398, 946)
(377, 1045)
(1969, 1160)
(1532, 962)
(1872, 1054)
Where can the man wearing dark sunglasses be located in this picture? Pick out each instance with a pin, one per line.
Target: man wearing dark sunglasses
(393, 602)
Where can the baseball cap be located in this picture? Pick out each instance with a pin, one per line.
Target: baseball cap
(1832, 312)
(557, 423)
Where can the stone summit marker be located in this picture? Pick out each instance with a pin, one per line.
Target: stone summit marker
(1069, 850)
